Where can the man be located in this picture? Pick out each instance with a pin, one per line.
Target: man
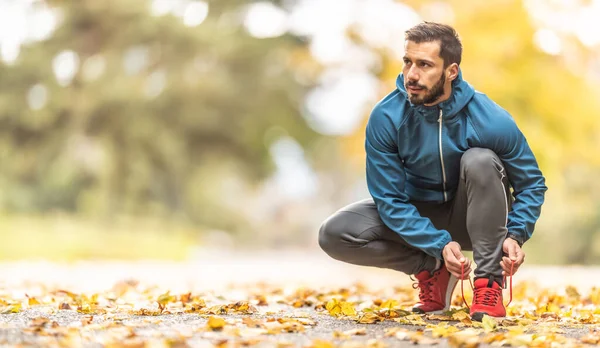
(441, 162)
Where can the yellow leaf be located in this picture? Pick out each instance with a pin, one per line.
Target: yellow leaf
(389, 304)
(340, 335)
(464, 339)
(32, 301)
(591, 338)
(166, 298)
(489, 324)
(251, 322)
(443, 330)
(13, 308)
(368, 318)
(572, 292)
(439, 317)
(348, 309)
(241, 306)
(306, 321)
(293, 326)
(516, 331)
(215, 323)
(413, 319)
(587, 318)
(495, 337)
(333, 307)
(84, 308)
(463, 317)
(419, 338)
(318, 343)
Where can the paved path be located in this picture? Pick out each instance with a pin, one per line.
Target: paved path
(216, 270)
(222, 278)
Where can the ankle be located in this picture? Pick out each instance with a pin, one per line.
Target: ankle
(492, 279)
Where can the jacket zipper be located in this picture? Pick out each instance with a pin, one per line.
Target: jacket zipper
(442, 157)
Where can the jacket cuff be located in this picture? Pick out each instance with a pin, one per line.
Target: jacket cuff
(446, 238)
(517, 238)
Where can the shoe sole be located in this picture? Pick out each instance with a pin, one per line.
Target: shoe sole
(478, 316)
(449, 291)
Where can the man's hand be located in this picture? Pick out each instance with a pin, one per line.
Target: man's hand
(454, 259)
(514, 252)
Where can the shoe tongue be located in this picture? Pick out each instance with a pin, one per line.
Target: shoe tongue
(486, 283)
(423, 275)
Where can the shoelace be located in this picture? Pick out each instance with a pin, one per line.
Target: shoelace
(425, 292)
(490, 297)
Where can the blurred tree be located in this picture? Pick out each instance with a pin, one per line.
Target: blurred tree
(123, 111)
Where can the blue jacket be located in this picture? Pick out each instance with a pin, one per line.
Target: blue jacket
(404, 162)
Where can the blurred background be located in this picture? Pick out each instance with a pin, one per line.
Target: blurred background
(162, 129)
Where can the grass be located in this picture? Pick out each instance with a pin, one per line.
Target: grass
(66, 238)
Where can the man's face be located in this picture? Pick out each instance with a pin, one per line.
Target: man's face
(424, 73)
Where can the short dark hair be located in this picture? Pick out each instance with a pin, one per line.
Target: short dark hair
(450, 46)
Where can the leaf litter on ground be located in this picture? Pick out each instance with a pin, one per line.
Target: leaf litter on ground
(130, 315)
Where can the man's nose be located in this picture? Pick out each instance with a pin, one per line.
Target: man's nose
(412, 74)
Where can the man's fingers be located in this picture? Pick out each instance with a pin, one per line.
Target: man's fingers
(458, 255)
(454, 269)
(507, 266)
(451, 258)
(513, 252)
(457, 271)
(520, 257)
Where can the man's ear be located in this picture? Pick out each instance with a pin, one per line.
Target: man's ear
(452, 72)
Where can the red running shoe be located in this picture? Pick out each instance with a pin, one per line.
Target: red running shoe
(487, 299)
(487, 296)
(435, 291)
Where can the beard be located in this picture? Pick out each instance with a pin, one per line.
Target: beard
(432, 94)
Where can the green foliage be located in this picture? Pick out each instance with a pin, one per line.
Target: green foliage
(174, 113)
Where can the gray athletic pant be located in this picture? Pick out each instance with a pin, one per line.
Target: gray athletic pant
(476, 219)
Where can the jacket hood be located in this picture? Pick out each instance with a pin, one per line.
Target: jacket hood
(462, 92)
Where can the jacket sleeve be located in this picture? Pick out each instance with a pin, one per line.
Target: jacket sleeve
(524, 176)
(385, 180)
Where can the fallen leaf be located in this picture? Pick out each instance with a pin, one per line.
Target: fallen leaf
(463, 317)
(87, 320)
(356, 332)
(251, 322)
(489, 324)
(439, 317)
(32, 301)
(443, 330)
(319, 343)
(413, 319)
(464, 339)
(591, 338)
(13, 308)
(368, 318)
(215, 323)
(348, 309)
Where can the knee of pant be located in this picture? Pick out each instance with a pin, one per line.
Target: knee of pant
(330, 234)
(477, 162)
